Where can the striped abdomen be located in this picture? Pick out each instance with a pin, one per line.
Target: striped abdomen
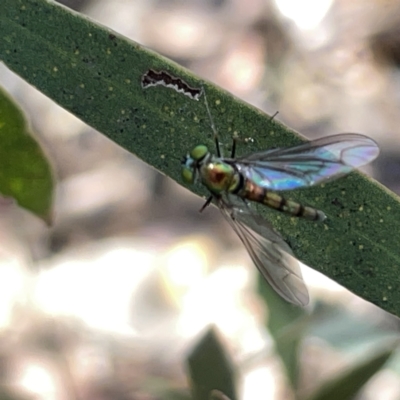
(253, 192)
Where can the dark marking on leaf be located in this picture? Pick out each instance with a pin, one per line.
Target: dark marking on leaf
(163, 78)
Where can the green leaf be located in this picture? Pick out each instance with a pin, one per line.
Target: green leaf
(25, 173)
(346, 385)
(286, 324)
(210, 368)
(96, 74)
(8, 393)
(161, 388)
(349, 332)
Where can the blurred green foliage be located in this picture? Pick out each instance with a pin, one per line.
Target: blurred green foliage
(25, 171)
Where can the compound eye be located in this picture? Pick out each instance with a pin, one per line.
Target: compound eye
(187, 175)
(199, 152)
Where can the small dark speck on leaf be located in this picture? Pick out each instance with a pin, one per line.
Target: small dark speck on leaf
(337, 203)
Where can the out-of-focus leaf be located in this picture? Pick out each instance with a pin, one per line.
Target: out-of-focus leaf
(286, 324)
(348, 332)
(96, 74)
(347, 385)
(170, 394)
(25, 172)
(210, 368)
(161, 388)
(9, 394)
(218, 395)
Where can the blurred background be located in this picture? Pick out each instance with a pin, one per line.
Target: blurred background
(108, 302)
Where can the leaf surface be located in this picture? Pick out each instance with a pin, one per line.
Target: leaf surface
(96, 74)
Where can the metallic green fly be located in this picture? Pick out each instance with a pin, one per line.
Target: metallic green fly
(255, 177)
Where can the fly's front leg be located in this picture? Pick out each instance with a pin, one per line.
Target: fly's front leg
(235, 138)
(206, 204)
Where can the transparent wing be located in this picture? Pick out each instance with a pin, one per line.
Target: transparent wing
(309, 163)
(269, 252)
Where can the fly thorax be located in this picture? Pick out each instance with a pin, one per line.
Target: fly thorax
(219, 176)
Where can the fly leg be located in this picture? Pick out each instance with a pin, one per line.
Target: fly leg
(234, 141)
(273, 116)
(206, 204)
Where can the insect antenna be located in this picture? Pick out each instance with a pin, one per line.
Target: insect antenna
(214, 130)
(215, 133)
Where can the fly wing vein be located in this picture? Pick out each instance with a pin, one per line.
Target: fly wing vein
(309, 163)
(280, 269)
